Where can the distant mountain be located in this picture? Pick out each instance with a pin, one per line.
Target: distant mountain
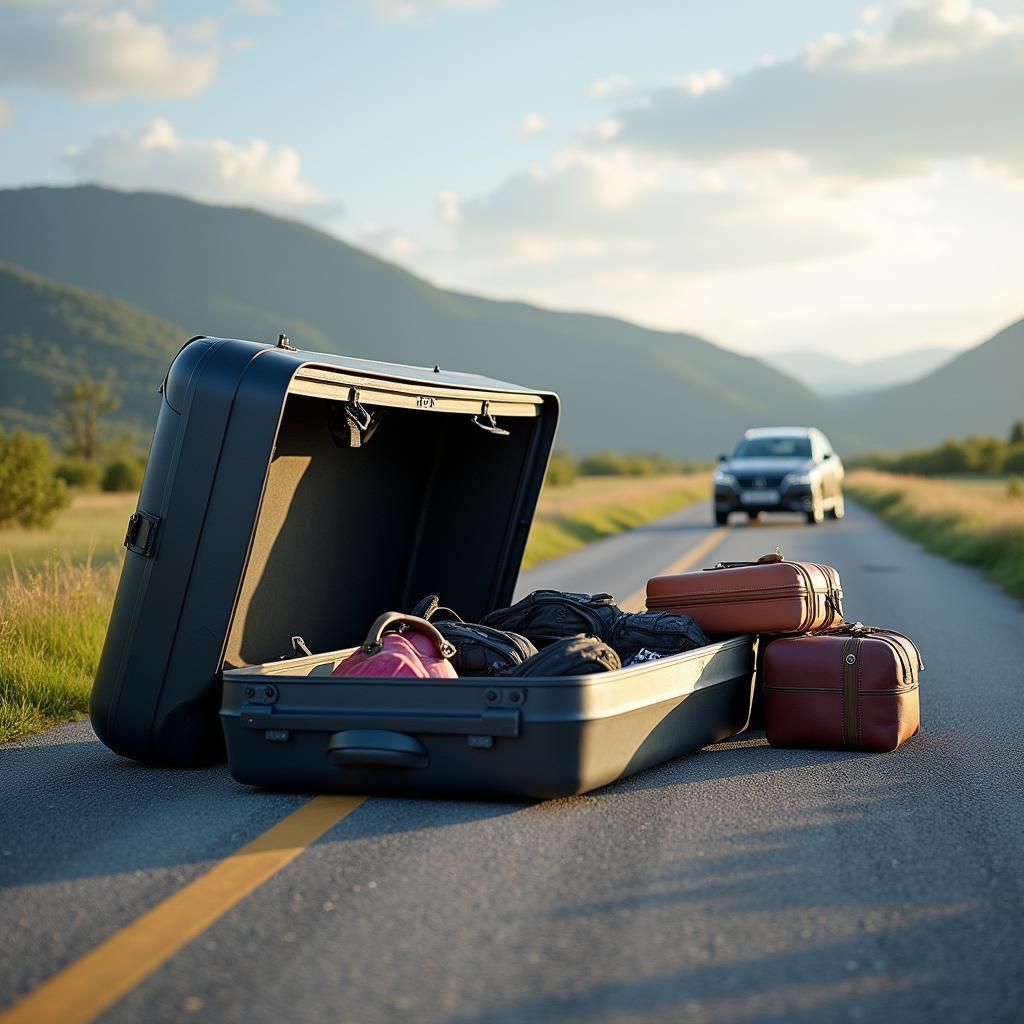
(831, 375)
(237, 272)
(51, 334)
(978, 392)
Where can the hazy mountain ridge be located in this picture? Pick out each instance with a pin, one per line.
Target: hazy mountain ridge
(238, 272)
(830, 375)
(978, 392)
(219, 270)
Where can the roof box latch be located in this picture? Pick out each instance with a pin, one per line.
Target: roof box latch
(485, 421)
(140, 536)
(350, 423)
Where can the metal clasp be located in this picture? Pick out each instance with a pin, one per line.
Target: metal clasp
(359, 415)
(485, 421)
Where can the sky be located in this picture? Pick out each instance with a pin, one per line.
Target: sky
(809, 174)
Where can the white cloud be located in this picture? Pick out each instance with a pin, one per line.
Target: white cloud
(5, 112)
(216, 170)
(700, 82)
(532, 124)
(871, 15)
(410, 10)
(389, 243)
(242, 44)
(609, 86)
(944, 81)
(866, 194)
(589, 211)
(202, 31)
(260, 7)
(448, 208)
(758, 255)
(91, 54)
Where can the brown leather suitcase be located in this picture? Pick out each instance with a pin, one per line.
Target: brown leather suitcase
(850, 688)
(770, 595)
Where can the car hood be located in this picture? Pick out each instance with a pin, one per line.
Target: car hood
(768, 467)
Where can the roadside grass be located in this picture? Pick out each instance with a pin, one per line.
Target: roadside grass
(57, 585)
(52, 623)
(968, 521)
(596, 507)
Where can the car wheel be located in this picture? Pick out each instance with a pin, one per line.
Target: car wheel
(815, 514)
(721, 518)
(838, 510)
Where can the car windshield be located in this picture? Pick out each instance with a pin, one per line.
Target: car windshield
(774, 448)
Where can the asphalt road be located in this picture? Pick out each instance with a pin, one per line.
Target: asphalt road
(741, 883)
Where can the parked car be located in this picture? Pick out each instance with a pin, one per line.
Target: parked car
(780, 469)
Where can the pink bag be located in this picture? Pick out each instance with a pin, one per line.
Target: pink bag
(413, 647)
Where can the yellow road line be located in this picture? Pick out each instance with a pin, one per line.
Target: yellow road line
(84, 989)
(638, 601)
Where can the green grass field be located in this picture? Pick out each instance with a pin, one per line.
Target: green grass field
(57, 585)
(971, 520)
(92, 529)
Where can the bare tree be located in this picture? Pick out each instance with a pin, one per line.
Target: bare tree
(83, 405)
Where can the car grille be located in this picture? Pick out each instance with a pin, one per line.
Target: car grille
(756, 481)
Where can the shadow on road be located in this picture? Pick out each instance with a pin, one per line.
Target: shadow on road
(848, 923)
(106, 816)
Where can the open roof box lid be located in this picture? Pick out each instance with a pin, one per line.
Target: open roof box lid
(293, 493)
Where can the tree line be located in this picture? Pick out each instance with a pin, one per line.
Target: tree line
(565, 467)
(980, 454)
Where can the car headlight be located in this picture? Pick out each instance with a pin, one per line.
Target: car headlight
(721, 477)
(791, 479)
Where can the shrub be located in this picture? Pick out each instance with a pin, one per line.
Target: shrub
(985, 454)
(1015, 488)
(123, 474)
(79, 472)
(1014, 461)
(29, 492)
(562, 469)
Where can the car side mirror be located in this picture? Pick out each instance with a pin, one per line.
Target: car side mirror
(723, 458)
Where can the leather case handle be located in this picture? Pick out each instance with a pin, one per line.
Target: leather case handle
(375, 637)
(772, 558)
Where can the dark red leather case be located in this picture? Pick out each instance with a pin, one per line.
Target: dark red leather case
(849, 688)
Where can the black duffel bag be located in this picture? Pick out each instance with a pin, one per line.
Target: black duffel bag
(548, 615)
(655, 633)
(479, 650)
(569, 656)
